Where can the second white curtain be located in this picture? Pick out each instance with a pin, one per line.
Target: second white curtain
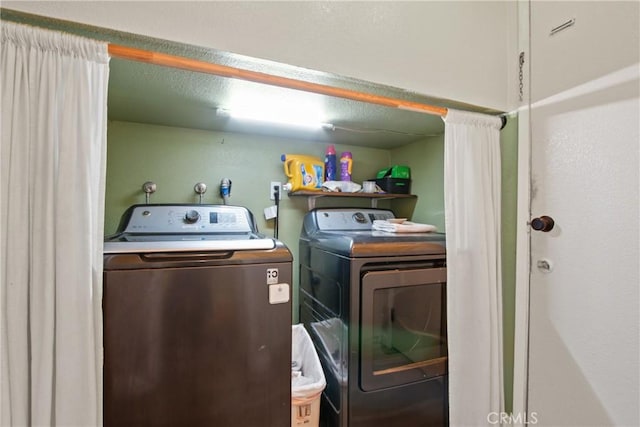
(53, 157)
(472, 187)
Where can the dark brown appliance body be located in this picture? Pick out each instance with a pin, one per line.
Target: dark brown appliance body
(375, 308)
(190, 339)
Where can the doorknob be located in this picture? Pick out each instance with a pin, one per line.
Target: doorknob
(543, 223)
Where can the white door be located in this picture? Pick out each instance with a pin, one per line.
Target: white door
(584, 300)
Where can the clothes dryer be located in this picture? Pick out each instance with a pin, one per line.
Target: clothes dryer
(374, 304)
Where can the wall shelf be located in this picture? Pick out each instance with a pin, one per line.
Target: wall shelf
(312, 196)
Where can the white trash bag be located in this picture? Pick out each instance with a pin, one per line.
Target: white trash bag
(307, 378)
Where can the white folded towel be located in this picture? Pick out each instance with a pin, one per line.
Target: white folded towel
(405, 227)
(342, 186)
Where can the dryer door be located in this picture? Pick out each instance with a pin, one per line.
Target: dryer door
(403, 327)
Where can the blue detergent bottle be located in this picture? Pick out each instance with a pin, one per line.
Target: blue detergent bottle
(330, 164)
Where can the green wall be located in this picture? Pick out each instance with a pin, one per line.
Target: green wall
(509, 152)
(176, 159)
(426, 160)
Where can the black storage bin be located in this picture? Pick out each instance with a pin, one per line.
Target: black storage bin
(394, 185)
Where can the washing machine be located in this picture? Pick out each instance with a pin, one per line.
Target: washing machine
(374, 304)
(197, 320)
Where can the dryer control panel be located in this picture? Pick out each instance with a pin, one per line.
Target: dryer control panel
(351, 219)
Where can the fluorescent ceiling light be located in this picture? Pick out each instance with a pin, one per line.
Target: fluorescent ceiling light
(263, 104)
(268, 115)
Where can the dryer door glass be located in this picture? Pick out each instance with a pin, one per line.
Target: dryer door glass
(403, 327)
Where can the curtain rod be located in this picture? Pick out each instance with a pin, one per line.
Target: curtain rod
(155, 58)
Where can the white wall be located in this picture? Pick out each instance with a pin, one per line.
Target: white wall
(463, 51)
(605, 38)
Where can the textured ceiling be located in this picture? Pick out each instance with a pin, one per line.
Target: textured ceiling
(159, 95)
(164, 96)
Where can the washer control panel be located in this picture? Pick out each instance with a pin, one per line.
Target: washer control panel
(180, 219)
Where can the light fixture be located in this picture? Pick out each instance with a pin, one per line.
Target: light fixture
(289, 118)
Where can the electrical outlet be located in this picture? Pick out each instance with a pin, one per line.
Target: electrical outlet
(272, 193)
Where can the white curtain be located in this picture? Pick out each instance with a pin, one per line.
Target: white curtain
(474, 287)
(52, 154)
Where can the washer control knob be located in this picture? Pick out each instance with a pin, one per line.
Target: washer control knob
(191, 217)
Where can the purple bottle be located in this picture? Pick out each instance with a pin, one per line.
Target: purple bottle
(346, 161)
(330, 164)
